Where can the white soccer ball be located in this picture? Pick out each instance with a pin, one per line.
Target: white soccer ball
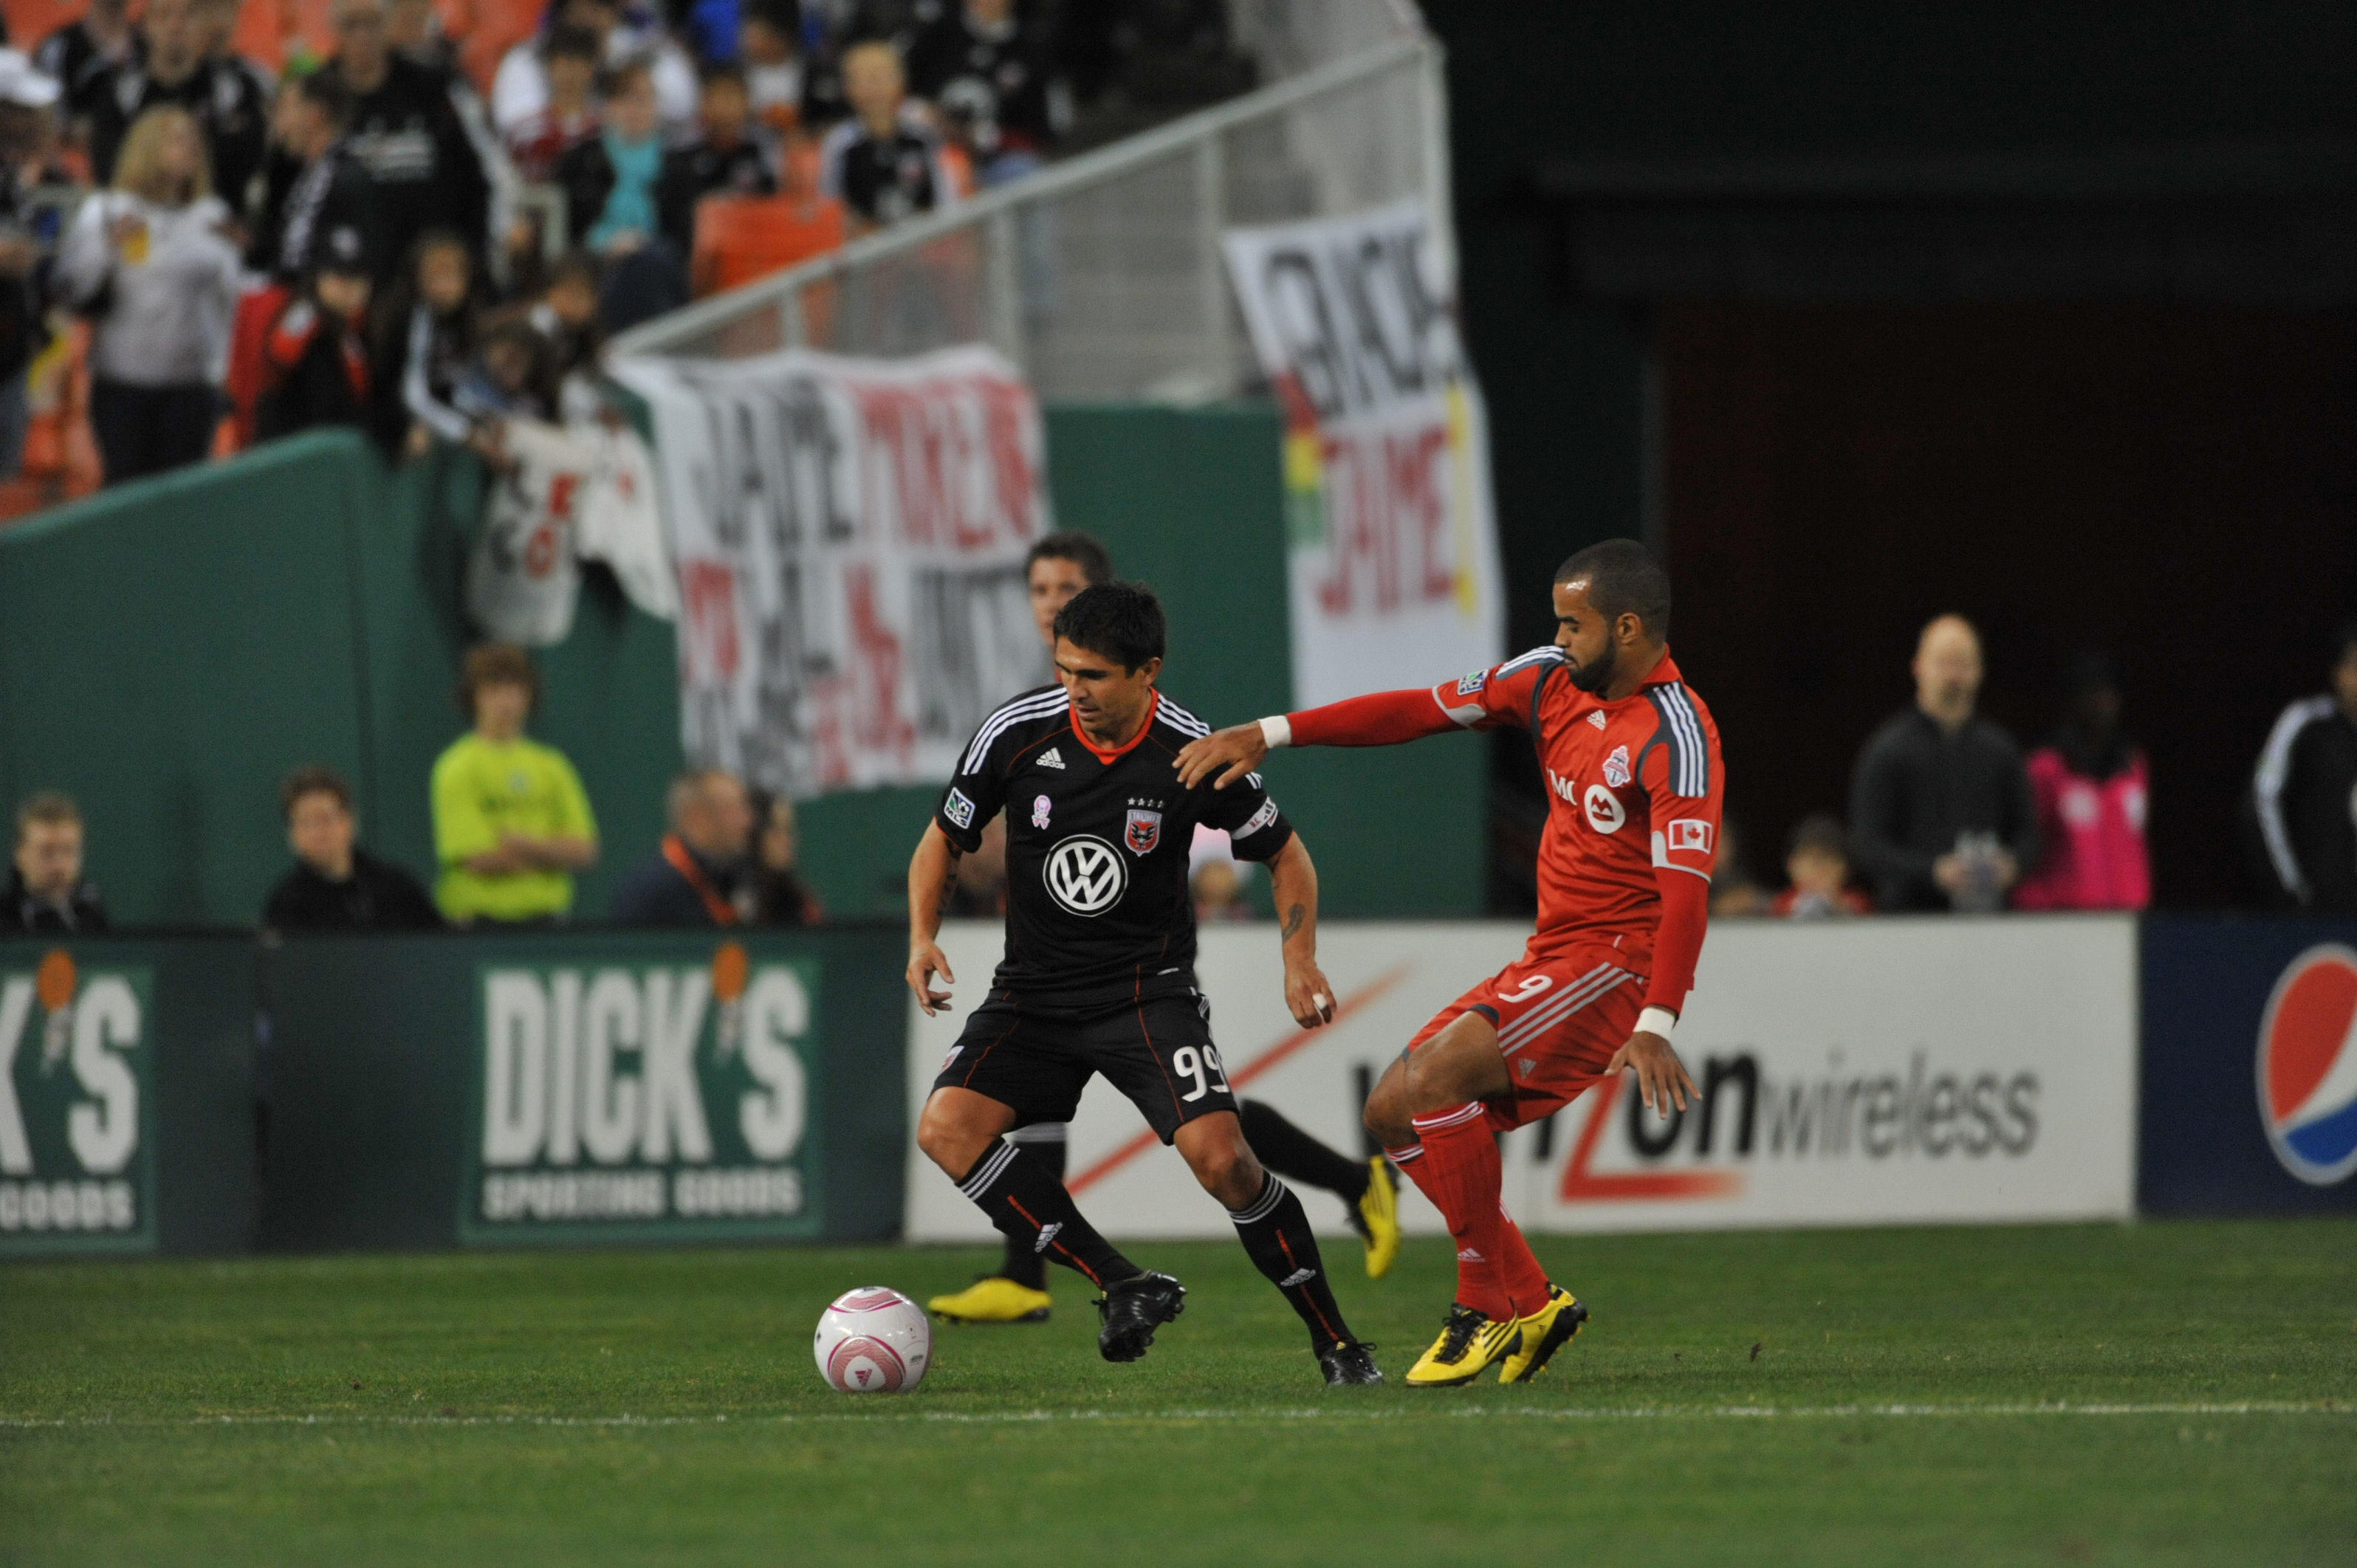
(873, 1340)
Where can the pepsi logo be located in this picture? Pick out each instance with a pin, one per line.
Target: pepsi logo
(2308, 1066)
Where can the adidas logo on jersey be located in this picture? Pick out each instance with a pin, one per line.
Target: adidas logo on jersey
(1297, 1277)
(1051, 757)
(1597, 719)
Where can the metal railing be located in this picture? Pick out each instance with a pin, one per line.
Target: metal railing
(1103, 276)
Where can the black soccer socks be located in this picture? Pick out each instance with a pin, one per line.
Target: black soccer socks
(1288, 1151)
(1275, 1233)
(1012, 1185)
(1025, 1266)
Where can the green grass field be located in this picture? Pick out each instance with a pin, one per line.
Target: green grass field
(2154, 1393)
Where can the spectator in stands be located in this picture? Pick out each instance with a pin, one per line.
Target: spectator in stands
(883, 164)
(1735, 893)
(227, 101)
(770, 50)
(426, 340)
(403, 127)
(519, 88)
(2089, 782)
(512, 823)
(81, 52)
(569, 117)
(47, 895)
(216, 24)
(609, 192)
(734, 156)
(566, 318)
(509, 380)
(1941, 814)
(2306, 792)
(336, 885)
(151, 264)
(986, 73)
(330, 191)
(781, 896)
(316, 356)
(699, 875)
(28, 100)
(413, 31)
(1218, 889)
(1818, 870)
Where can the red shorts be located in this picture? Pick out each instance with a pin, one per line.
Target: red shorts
(1560, 1021)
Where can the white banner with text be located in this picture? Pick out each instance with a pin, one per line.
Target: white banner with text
(1887, 1071)
(849, 537)
(1391, 534)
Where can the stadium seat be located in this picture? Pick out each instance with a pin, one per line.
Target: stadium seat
(740, 237)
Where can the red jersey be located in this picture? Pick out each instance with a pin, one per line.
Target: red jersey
(1635, 791)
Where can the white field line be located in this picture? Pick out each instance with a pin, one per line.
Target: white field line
(1266, 1414)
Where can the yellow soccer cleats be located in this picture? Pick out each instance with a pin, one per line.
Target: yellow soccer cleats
(1544, 1332)
(993, 1300)
(1379, 1219)
(1469, 1343)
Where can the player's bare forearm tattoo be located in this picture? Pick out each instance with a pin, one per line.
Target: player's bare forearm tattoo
(1294, 918)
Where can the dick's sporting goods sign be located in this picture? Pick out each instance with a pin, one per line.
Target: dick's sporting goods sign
(77, 1107)
(633, 1099)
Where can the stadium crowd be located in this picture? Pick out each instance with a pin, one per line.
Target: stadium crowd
(374, 236)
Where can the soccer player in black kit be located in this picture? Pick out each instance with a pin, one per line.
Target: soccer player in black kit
(1099, 973)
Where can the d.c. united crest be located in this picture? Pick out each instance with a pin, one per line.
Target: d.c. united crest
(1143, 831)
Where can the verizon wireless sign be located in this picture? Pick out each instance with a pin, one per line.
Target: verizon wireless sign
(1880, 1071)
(1883, 1071)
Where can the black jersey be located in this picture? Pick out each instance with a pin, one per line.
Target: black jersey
(1097, 899)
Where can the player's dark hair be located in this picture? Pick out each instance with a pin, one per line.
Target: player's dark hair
(1082, 550)
(1119, 620)
(1623, 578)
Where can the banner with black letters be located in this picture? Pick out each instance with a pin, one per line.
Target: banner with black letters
(1391, 531)
(849, 537)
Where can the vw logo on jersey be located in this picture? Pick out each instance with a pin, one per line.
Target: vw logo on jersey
(1603, 809)
(2308, 1066)
(1085, 875)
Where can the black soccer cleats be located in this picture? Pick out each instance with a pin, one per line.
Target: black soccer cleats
(1131, 1310)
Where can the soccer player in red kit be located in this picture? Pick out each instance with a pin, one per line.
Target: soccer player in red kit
(1632, 760)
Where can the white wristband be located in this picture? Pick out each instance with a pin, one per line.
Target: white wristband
(1277, 731)
(1656, 1021)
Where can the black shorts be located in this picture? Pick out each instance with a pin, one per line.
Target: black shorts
(1038, 1058)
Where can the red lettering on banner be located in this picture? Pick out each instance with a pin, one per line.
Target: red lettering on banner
(954, 484)
(707, 591)
(1386, 519)
(875, 720)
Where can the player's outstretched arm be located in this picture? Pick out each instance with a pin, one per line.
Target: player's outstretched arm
(1379, 718)
(932, 876)
(1294, 880)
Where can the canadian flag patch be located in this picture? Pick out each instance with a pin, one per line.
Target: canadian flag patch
(1690, 834)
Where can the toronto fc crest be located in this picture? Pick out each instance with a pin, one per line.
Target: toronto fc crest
(1143, 831)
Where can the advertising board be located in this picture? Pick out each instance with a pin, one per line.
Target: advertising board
(1891, 1071)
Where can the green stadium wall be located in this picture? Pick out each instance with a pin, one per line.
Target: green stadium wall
(169, 649)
